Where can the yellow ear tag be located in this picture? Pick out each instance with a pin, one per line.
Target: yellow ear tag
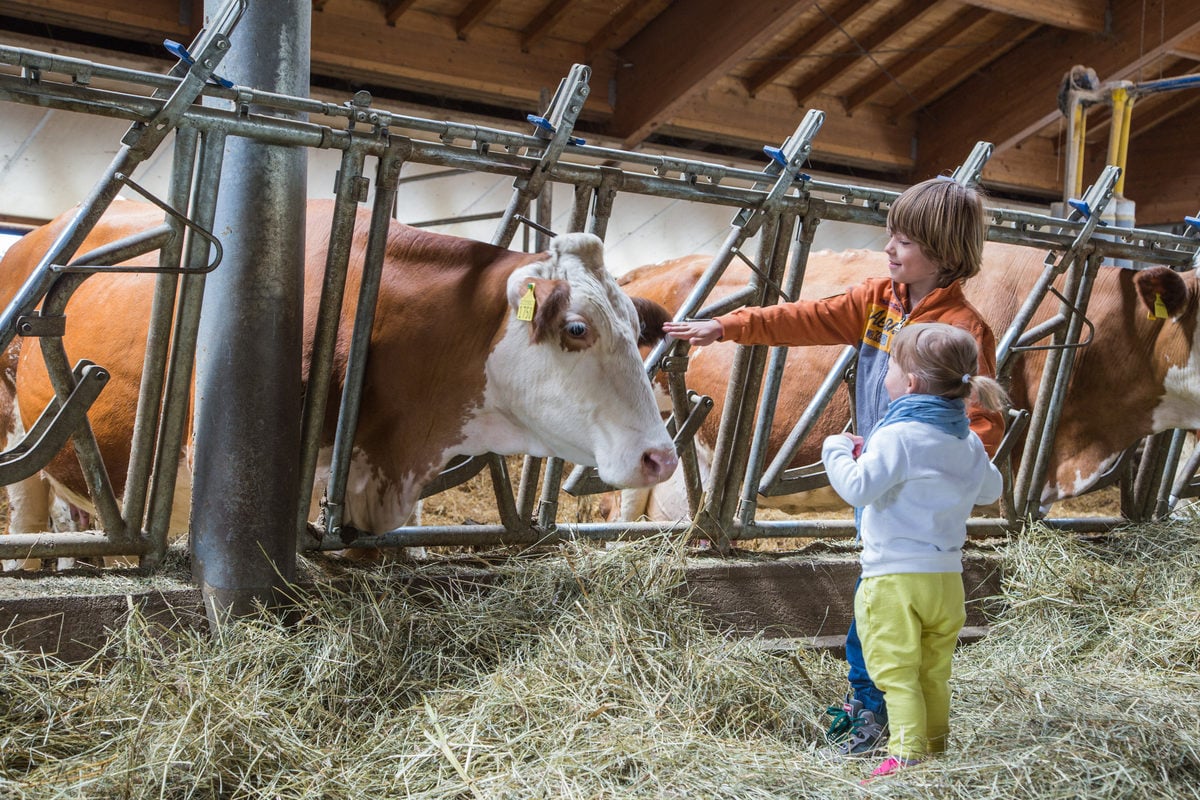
(528, 304)
(1160, 308)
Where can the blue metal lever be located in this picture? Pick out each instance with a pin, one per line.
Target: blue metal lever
(179, 51)
(1083, 208)
(544, 124)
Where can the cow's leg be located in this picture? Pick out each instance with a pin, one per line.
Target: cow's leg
(368, 505)
(63, 519)
(28, 512)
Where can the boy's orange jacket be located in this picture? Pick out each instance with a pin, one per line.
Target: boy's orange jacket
(867, 316)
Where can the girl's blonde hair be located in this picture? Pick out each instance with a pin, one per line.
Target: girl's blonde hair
(945, 361)
(947, 221)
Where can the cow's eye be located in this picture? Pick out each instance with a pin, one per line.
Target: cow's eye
(576, 329)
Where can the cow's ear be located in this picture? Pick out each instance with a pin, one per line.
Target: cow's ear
(586, 247)
(652, 316)
(1163, 291)
(542, 303)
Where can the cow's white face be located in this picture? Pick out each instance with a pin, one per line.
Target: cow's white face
(1177, 348)
(569, 382)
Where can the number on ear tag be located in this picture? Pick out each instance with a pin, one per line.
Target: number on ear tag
(1160, 308)
(527, 305)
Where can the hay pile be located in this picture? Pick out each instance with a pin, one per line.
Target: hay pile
(584, 675)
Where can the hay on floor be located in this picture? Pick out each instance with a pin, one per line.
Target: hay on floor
(585, 675)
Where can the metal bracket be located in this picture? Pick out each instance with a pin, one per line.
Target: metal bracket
(57, 423)
(37, 325)
(784, 168)
(970, 172)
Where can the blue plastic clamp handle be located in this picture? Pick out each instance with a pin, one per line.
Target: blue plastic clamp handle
(776, 154)
(1083, 208)
(544, 124)
(1193, 221)
(181, 52)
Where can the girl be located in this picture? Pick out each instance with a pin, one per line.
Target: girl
(935, 242)
(917, 479)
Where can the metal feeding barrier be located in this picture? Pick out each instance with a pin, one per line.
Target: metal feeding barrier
(779, 204)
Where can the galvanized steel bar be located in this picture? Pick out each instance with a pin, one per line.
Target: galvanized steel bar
(777, 361)
(1052, 391)
(386, 174)
(350, 191)
(176, 417)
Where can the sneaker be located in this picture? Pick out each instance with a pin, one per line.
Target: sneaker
(890, 765)
(867, 736)
(843, 719)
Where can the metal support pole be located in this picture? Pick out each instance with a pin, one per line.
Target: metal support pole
(246, 479)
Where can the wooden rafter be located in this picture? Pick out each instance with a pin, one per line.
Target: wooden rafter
(1189, 49)
(1087, 16)
(684, 51)
(846, 56)
(1017, 95)
(806, 45)
(958, 24)
(622, 25)
(472, 15)
(1164, 170)
(543, 23)
(394, 9)
(1010, 35)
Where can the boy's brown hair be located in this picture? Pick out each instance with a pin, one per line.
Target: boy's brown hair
(945, 361)
(947, 221)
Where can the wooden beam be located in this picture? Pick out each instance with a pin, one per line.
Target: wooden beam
(956, 25)
(1034, 167)
(806, 45)
(147, 21)
(543, 23)
(1164, 171)
(685, 50)
(623, 24)
(1013, 32)
(859, 46)
(1188, 48)
(394, 9)
(867, 141)
(1087, 16)
(472, 15)
(490, 68)
(1016, 96)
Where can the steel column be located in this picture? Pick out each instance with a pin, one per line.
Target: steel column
(248, 399)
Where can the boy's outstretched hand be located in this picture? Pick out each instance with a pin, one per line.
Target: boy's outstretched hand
(696, 332)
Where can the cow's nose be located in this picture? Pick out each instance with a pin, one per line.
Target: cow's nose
(659, 463)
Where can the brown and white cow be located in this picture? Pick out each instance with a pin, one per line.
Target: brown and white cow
(450, 371)
(1138, 376)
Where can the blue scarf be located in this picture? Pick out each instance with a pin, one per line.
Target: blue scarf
(943, 413)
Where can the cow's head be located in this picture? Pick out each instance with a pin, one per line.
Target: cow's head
(566, 374)
(1171, 297)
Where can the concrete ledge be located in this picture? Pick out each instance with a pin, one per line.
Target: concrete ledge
(811, 598)
(804, 601)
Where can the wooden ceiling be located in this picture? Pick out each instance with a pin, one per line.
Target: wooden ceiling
(907, 86)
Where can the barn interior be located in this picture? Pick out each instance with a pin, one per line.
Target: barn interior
(907, 86)
(907, 89)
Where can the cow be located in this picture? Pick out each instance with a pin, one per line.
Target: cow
(1137, 376)
(451, 370)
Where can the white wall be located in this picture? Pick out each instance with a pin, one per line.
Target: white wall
(50, 159)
